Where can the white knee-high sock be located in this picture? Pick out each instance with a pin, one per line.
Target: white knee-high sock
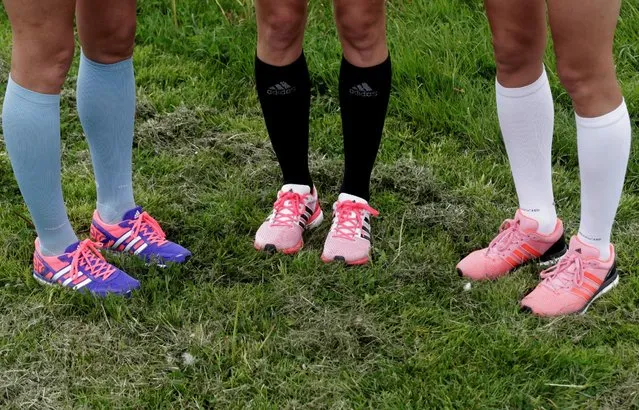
(604, 146)
(526, 117)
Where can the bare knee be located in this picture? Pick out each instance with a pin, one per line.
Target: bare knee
(519, 58)
(362, 31)
(592, 87)
(111, 43)
(281, 32)
(42, 67)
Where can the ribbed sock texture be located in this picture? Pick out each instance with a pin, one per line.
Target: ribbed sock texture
(526, 117)
(285, 97)
(604, 146)
(31, 126)
(364, 93)
(106, 106)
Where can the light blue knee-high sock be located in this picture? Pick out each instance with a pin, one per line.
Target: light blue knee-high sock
(31, 125)
(106, 105)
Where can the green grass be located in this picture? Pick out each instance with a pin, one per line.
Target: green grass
(235, 328)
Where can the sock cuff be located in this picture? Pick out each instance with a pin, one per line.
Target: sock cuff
(299, 62)
(120, 65)
(520, 92)
(31, 96)
(283, 80)
(605, 120)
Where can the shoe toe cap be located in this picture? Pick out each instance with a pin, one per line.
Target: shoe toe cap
(343, 250)
(479, 266)
(547, 303)
(118, 284)
(278, 237)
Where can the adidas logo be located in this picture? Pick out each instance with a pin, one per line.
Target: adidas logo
(282, 88)
(363, 90)
(137, 215)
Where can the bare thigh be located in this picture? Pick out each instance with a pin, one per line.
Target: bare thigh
(519, 39)
(106, 29)
(361, 25)
(583, 34)
(43, 42)
(280, 30)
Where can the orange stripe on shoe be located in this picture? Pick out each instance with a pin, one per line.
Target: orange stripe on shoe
(593, 278)
(511, 261)
(520, 254)
(590, 288)
(580, 293)
(531, 250)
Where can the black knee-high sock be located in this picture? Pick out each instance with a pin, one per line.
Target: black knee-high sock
(364, 95)
(285, 96)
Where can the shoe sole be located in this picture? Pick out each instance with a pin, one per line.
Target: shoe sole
(46, 283)
(612, 282)
(271, 248)
(343, 260)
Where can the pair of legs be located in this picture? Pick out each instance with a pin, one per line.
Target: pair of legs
(364, 85)
(284, 90)
(583, 33)
(43, 48)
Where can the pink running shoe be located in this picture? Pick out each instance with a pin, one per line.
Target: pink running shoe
(349, 239)
(295, 210)
(574, 283)
(516, 244)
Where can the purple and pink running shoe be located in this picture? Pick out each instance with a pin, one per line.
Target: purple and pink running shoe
(138, 234)
(82, 268)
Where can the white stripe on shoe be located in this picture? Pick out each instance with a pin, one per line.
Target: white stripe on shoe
(62, 272)
(82, 284)
(133, 242)
(140, 249)
(122, 239)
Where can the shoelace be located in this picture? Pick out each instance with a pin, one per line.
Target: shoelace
(88, 254)
(508, 233)
(349, 218)
(566, 274)
(150, 228)
(287, 208)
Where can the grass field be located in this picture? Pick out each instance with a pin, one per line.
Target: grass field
(234, 328)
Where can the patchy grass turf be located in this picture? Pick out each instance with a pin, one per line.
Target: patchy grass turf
(235, 328)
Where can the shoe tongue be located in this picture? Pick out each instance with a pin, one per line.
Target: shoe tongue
(586, 250)
(71, 248)
(298, 189)
(527, 225)
(132, 213)
(348, 197)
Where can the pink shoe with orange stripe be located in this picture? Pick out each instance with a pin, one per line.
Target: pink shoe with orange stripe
(82, 268)
(574, 283)
(517, 244)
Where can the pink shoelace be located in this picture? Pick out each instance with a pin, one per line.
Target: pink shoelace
(349, 218)
(88, 253)
(287, 208)
(146, 224)
(509, 233)
(566, 274)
